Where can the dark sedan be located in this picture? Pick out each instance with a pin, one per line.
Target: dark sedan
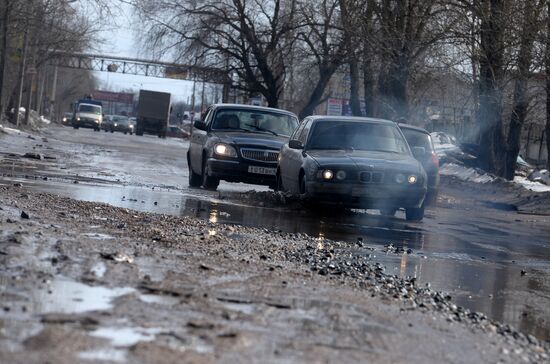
(418, 137)
(237, 143)
(355, 163)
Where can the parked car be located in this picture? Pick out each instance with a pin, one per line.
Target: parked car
(177, 132)
(237, 143)
(353, 162)
(418, 137)
(67, 118)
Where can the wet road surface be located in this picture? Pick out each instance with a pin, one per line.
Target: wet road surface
(489, 260)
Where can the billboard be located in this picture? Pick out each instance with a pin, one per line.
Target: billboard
(122, 97)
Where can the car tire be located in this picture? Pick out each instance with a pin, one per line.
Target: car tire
(76, 127)
(112, 131)
(208, 183)
(302, 184)
(195, 180)
(105, 130)
(414, 214)
(388, 211)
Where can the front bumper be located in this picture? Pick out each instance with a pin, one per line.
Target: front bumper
(237, 171)
(366, 195)
(86, 123)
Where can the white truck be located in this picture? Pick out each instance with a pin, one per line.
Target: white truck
(88, 114)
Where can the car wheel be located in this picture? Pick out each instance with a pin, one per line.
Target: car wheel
(415, 214)
(105, 130)
(112, 131)
(76, 127)
(208, 183)
(195, 179)
(388, 211)
(303, 189)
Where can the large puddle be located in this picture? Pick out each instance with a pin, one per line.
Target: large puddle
(479, 265)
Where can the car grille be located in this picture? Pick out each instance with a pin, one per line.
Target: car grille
(260, 155)
(371, 177)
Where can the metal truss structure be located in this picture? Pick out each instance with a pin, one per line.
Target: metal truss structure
(140, 67)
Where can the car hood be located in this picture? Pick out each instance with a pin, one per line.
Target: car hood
(252, 139)
(364, 159)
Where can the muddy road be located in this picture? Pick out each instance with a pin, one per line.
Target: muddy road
(487, 257)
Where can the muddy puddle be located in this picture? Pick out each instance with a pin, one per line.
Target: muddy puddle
(482, 267)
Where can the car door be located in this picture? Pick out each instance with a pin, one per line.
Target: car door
(197, 141)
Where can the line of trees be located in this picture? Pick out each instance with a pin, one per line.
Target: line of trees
(29, 31)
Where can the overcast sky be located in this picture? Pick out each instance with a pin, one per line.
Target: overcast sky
(120, 41)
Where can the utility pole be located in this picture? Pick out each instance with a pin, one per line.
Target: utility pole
(193, 100)
(54, 91)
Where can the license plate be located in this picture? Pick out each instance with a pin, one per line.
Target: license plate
(262, 170)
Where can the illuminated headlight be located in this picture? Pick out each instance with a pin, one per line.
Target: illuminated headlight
(400, 178)
(116, 124)
(64, 120)
(412, 179)
(77, 119)
(131, 126)
(225, 150)
(97, 121)
(341, 175)
(328, 174)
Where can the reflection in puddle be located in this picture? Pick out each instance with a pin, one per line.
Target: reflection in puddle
(99, 269)
(245, 308)
(65, 296)
(115, 355)
(162, 300)
(126, 336)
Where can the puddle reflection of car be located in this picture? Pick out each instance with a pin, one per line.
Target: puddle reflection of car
(418, 137)
(237, 143)
(354, 163)
(176, 132)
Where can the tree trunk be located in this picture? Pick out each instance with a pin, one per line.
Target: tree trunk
(491, 148)
(368, 83)
(354, 102)
(547, 67)
(4, 50)
(316, 96)
(521, 101)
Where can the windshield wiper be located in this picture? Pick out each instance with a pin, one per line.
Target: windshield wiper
(262, 129)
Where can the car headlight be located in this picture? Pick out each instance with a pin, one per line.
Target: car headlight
(400, 178)
(341, 175)
(97, 121)
(131, 126)
(225, 150)
(412, 179)
(116, 124)
(64, 119)
(327, 174)
(77, 119)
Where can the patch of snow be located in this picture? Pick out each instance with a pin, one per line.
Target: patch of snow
(530, 185)
(542, 176)
(464, 173)
(44, 120)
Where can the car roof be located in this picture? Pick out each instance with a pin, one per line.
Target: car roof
(352, 119)
(252, 107)
(412, 127)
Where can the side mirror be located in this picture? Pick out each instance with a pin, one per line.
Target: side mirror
(419, 152)
(199, 124)
(295, 144)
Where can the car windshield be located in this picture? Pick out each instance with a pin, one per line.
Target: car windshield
(255, 121)
(417, 138)
(121, 119)
(329, 134)
(90, 108)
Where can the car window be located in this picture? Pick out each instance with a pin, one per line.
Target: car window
(328, 134)
(256, 121)
(303, 135)
(417, 138)
(298, 130)
(90, 108)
